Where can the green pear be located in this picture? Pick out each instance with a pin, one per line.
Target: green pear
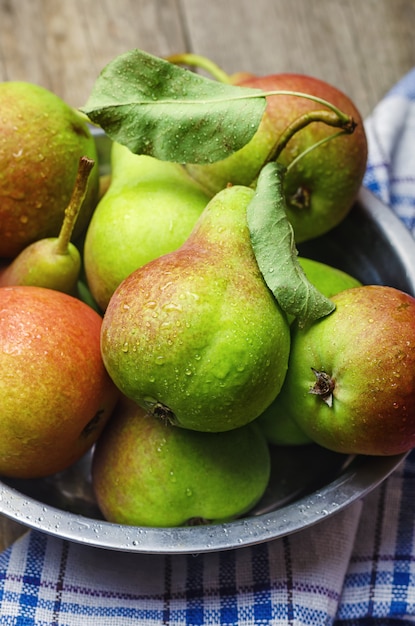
(322, 186)
(276, 423)
(279, 428)
(149, 209)
(329, 280)
(148, 473)
(195, 336)
(41, 141)
(55, 394)
(54, 262)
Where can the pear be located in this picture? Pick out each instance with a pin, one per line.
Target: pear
(55, 394)
(195, 336)
(148, 473)
(41, 141)
(350, 384)
(329, 280)
(322, 186)
(149, 209)
(55, 262)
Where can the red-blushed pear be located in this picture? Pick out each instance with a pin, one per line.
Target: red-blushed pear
(350, 383)
(148, 473)
(322, 186)
(42, 139)
(55, 394)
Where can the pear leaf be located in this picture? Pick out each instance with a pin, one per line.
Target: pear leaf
(157, 108)
(272, 239)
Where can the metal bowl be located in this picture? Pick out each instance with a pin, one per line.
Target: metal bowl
(307, 484)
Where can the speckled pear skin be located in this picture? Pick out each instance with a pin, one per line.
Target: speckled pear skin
(195, 336)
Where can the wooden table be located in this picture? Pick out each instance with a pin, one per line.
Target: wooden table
(362, 47)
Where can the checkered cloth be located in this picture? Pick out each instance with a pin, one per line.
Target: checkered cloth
(356, 568)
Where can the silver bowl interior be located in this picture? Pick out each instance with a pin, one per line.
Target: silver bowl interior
(308, 483)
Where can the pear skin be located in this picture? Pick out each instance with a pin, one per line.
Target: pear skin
(147, 473)
(148, 210)
(42, 139)
(195, 336)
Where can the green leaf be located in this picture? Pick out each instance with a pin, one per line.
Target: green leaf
(274, 247)
(158, 108)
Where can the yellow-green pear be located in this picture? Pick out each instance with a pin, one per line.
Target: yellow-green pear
(148, 473)
(196, 336)
(149, 209)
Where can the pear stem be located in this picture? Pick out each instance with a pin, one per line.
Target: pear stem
(197, 60)
(72, 210)
(327, 117)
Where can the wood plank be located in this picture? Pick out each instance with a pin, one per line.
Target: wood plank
(64, 45)
(362, 48)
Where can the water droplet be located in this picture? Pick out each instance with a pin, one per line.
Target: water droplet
(171, 306)
(125, 347)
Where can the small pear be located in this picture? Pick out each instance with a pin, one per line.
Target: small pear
(329, 280)
(41, 141)
(148, 473)
(54, 262)
(149, 209)
(195, 336)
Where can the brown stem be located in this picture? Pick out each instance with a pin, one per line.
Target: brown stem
(72, 210)
(323, 387)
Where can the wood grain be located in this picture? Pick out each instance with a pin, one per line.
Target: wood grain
(361, 47)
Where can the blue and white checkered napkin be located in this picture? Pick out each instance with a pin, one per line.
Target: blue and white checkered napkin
(354, 568)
